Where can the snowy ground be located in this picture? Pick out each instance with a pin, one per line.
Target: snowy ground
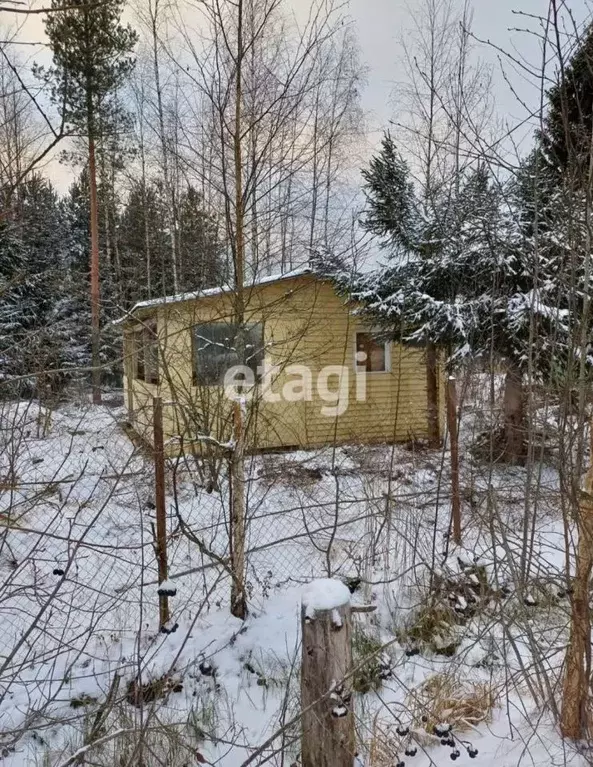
(79, 605)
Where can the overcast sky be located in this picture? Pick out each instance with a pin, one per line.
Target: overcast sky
(381, 23)
(380, 26)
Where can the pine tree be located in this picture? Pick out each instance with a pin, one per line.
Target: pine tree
(92, 54)
(17, 307)
(392, 212)
(42, 233)
(145, 241)
(72, 316)
(413, 232)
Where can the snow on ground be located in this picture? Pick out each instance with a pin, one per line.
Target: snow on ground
(79, 595)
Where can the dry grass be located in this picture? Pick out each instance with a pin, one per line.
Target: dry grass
(434, 629)
(452, 698)
(385, 744)
(279, 469)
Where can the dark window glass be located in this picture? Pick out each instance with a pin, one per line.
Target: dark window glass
(215, 351)
(375, 359)
(146, 354)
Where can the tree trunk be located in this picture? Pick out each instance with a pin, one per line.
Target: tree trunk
(575, 718)
(432, 395)
(328, 738)
(95, 290)
(454, 447)
(514, 416)
(169, 186)
(237, 531)
(238, 510)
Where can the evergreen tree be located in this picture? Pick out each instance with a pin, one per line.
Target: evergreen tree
(145, 244)
(31, 244)
(471, 277)
(393, 213)
(201, 250)
(72, 316)
(417, 233)
(72, 312)
(92, 54)
(17, 304)
(566, 135)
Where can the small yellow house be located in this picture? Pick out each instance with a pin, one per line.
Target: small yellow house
(313, 374)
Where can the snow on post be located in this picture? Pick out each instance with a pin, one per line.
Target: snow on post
(324, 594)
(327, 722)
(167, 589)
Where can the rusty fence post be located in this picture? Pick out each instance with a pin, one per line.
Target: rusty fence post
(161, 510)
(454, 446)
(327, 735)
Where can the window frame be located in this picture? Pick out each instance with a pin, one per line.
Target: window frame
(387, 354)
(196, 382)
(143, 338)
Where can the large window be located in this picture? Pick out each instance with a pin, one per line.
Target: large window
(371, 355)
(215, 351)
(146, 354)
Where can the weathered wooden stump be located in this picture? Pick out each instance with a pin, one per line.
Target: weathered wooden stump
(328, 738)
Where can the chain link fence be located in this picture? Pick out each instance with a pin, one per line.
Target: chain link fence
(78, 557)
(79, 571)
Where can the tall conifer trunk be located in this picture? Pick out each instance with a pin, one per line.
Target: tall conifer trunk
(92, 55)
(95, 289)
(94, 224)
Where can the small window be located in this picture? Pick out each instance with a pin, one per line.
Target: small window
(371, 355)
(215, 351)
(146, 354)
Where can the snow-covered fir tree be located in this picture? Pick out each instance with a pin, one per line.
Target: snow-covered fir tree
(472, 274)
(31, 244)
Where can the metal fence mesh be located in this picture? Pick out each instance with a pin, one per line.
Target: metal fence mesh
(78, 564)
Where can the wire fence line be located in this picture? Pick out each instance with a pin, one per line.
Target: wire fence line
(77, 534)
(79, 570)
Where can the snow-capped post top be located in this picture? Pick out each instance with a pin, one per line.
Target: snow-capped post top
(324, 594)
(167, 589)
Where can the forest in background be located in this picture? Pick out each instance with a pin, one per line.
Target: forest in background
(229, 144)
(162, 104)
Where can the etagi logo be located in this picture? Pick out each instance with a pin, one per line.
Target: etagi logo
(331, 384)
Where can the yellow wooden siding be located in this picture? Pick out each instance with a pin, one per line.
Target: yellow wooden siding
(305, 323)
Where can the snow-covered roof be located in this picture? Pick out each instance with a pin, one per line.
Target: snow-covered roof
(208, 292)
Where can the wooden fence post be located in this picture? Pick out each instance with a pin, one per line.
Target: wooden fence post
(327, 734)
(454, 445)
(575, 715)
(161, 510)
